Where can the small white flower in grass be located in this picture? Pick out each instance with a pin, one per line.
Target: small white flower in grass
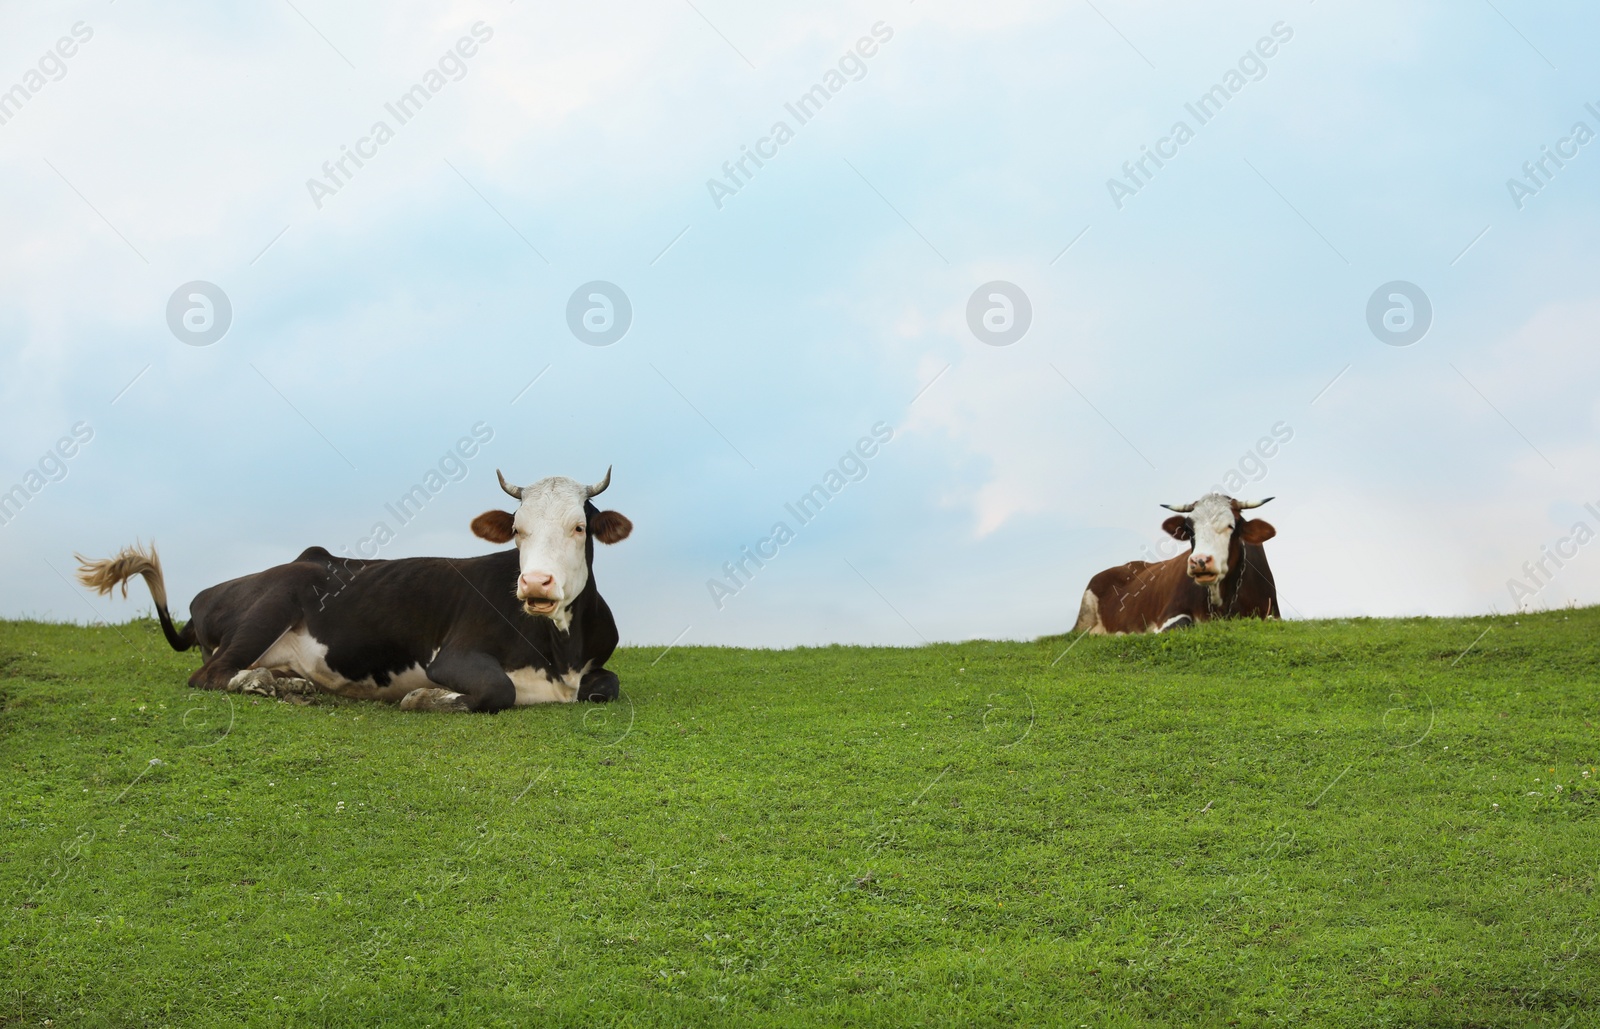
(1494, 807)
(1558, 787)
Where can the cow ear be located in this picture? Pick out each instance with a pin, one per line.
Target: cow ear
(494, 526)
(610, 526)
(1178, 528)
(1257, 532)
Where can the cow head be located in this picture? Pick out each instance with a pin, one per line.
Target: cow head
(554, 527)
(1218, 532)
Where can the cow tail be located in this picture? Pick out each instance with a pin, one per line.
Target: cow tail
(105, 575)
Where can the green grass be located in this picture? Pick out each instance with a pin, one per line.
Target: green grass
(1352, 823)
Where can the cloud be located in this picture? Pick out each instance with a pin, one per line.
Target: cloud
(829, 293)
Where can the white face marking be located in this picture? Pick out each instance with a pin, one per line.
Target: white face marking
(550, 532)
(535, 686)
(1212, 520)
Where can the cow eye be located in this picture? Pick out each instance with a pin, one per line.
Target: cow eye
(578, 529)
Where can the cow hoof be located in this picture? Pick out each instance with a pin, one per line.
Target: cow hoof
(253, 680)
(1176, 622)
(295, 686)
(430, 698)
(264, 683)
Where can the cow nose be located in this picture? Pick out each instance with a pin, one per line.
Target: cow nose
(535, 583)
(1202, 564)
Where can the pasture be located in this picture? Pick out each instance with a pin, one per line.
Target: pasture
(1336, 823)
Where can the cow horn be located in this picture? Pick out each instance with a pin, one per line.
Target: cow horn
(600, 487)
(1180, 508)
(515, 491)
(1245, 505)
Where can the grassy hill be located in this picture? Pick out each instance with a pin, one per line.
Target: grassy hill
(1351, 823)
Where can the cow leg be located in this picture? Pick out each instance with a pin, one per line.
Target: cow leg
(599, 685)
(268, 682)
(1176, 622)
(432, 698)
(240, 650)
(471, 681)
(1089, 614)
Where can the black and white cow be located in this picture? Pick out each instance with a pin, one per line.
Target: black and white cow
(522, 626)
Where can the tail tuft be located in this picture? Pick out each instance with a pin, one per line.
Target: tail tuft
(106, 575)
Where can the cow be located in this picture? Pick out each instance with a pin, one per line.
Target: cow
(516, 627)
(1224, 575)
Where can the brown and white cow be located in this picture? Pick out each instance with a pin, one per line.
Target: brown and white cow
(1224, 575)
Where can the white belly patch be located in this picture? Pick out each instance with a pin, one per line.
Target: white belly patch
(304, 655)
(299, 652)
(413, 678)
(536, 686)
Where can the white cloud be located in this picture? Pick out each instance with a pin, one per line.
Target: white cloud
(814, 303)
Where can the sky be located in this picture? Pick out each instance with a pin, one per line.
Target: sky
(1358, 276)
